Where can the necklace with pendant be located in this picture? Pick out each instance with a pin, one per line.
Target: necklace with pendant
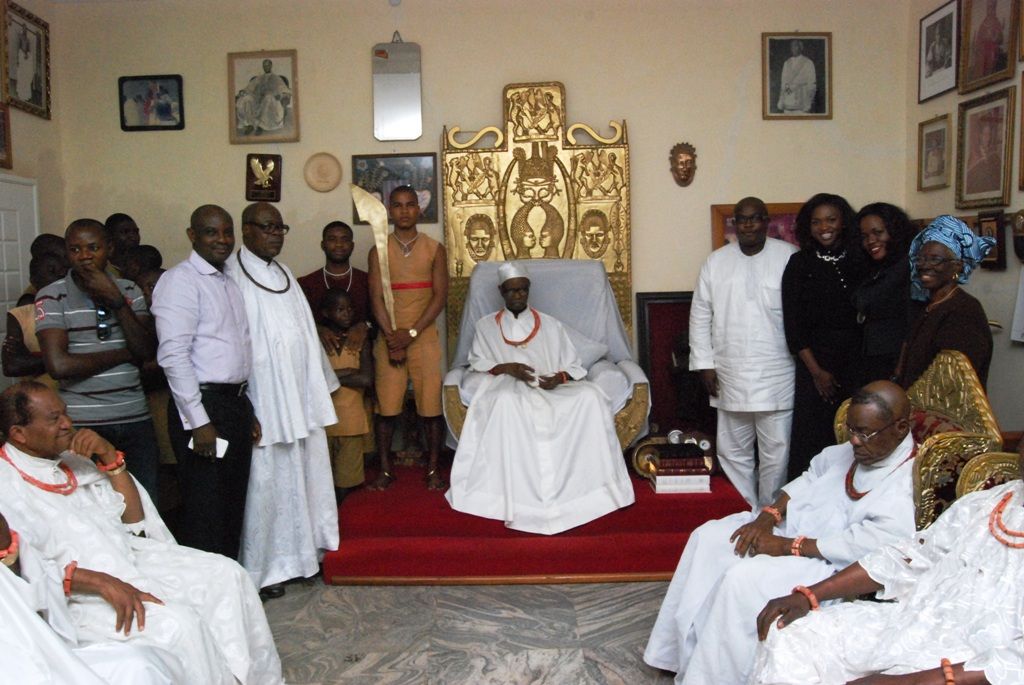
(406, 246)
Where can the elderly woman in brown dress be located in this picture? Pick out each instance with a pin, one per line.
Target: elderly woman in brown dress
(941, 258)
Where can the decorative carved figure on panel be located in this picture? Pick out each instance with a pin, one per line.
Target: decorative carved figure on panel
(537, 218)
(479, 233)
(594, 233)
(682, 159)
(534, 112)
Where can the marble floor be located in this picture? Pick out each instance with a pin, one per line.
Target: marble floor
(466, 635)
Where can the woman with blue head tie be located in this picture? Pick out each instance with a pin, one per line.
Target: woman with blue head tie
(945, 317)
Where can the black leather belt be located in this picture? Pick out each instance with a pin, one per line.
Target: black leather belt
(234, 389)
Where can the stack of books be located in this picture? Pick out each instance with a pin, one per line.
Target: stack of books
(682, 474)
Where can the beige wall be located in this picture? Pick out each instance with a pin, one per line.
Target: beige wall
(673, 69)
(997, 290)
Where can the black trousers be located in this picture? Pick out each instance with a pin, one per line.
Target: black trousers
(213, 490)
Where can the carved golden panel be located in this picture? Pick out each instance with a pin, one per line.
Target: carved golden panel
(534, 189)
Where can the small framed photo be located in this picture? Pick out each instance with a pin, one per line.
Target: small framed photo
(984, 148)
(6, 157)
(380, 174)
(988, 40)
(26, 81)
(937, 50)
(151, 103)
(933, 147)
(796, 74)
(781, 223)
(990, 224)
(263, 97)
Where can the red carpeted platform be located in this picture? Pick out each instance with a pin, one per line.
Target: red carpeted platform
(408, 535)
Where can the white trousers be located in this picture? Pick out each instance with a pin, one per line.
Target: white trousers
(737, 431)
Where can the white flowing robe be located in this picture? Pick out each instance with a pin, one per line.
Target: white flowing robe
(542, 461)
(798, 85)
(706, 629)
(212, 619)
(959, 595)
(736, 328)
(290, 512)
(260, 103)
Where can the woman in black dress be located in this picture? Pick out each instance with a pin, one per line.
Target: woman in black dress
(882, 299)
(821, 322)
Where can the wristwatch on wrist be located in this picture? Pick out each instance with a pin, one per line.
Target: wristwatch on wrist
(413, 333)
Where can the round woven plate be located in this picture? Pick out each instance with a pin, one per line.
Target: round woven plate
(322, 172)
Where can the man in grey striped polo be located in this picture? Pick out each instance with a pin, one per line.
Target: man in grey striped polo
(94, 332)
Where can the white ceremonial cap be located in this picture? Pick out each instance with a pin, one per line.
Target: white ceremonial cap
(509, 270)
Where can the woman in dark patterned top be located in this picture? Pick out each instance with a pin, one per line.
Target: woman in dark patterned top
(882, 299)
(941, 258)
(821, 322)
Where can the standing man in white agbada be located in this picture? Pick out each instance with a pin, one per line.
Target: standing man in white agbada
(538, 449)
(738, 345)
(290, 513)
(854, 498)
(799, 82)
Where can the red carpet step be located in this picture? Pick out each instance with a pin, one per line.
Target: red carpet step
(409, 535)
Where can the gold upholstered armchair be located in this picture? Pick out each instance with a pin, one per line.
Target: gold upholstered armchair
(577, 293)
(952, 422)
(987, 471)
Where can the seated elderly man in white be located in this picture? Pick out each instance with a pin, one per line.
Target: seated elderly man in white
(123, 576)
(538, 449)
(854, 498)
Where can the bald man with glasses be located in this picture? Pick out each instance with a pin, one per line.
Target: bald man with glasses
(854, 498)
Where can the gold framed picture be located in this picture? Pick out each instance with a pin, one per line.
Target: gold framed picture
(988, 42)
(933, 153)
(984, 148)
(263, 97)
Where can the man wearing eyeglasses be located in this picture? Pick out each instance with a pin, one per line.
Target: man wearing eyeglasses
(94, 332)
(738, 345)
(855, 498)
(290, 512)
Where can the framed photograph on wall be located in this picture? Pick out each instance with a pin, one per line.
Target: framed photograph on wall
(151, 103)
(26, 79)
(380, 174)
(984, 147)
(937, 50)
(988, 42)
(6, 156)
(781, 223)
(990, 224)
(796, 75)
(263, 97)
(933, 148)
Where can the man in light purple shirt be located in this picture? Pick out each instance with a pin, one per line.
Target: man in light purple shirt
(206, 354)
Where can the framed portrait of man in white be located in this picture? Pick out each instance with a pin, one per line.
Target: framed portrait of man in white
(938, 41)
(263, 97)
(796, 74)
(26, 77)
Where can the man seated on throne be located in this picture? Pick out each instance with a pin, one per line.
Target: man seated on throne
(538, 449)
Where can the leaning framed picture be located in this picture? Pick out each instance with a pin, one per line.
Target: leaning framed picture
(796, 75)
(988, 42)
(984, 147)
(26, 78)
(6, 157)
(933, 147)
(990, 225)
(263, 97)
(151, 103)
(936, 53)
(781, 223)
(380, 174)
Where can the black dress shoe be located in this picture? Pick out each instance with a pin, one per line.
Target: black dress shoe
(272, 591)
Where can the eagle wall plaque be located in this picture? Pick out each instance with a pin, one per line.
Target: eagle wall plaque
(263, 178)
(532, 190)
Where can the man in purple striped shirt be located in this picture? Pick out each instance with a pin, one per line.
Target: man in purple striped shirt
(206, 354)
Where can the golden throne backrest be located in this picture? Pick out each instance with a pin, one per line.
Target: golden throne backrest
(988, 470)
(536, 189)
